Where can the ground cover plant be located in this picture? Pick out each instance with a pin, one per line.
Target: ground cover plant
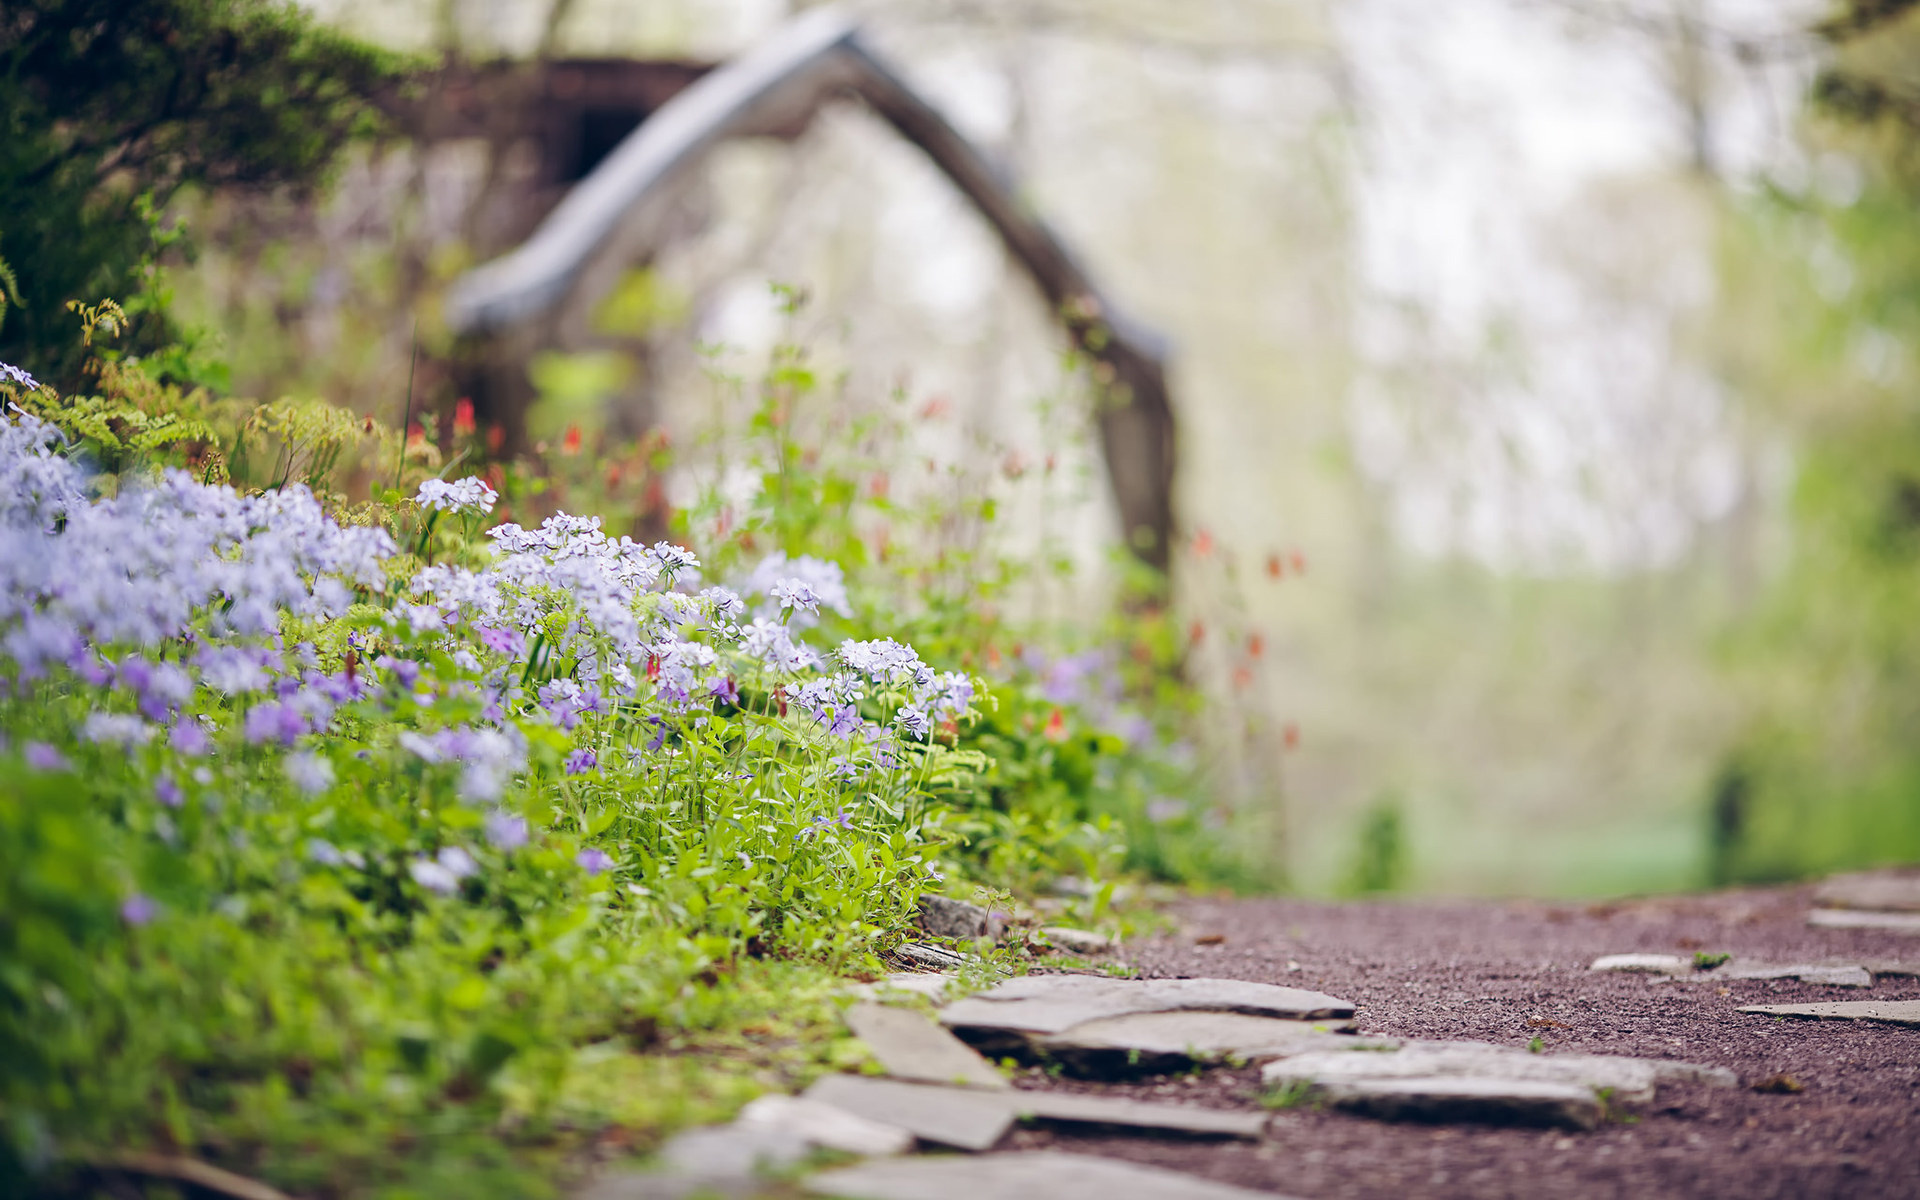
(331, 830)
(379, 847)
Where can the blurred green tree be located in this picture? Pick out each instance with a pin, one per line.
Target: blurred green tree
(109, 107)
(1827, 775)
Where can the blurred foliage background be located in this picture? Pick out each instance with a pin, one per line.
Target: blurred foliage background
(1549, 463)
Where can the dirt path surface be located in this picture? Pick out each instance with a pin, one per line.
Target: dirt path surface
(1509, 972)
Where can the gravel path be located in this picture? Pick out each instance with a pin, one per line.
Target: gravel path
(1509, 972)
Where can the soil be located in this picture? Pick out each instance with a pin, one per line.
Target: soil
(1510, 972)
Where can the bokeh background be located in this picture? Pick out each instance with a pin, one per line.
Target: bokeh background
(1542, 367)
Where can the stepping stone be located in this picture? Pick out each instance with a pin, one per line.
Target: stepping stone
(1892, 966)
(1155, 1042)
(1627, 1078)
(964, 1118)
(1491, 1101)
(1860, 918)
(1047, 1174)
(934, 985)
(911, 1046)
(946, 918)
(824, 1125)
(1077, 941)
(1829, 974)
(1655, 964)
(1004, 1019)
(1164, 1118)
(1889, 1012)
(937, 957)
(1885, 891)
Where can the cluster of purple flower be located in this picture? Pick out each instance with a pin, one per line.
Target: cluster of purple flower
(176, 590)
(138, 569)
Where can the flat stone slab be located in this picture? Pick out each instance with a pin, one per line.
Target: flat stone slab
(1653, 964)
(934, 985)
(1626, 1078)
(1164, 1118)
(912, 1046)
(1155, 1042)
(1491, 1101)
(938, 958)
(824, 1125)
(1077, 941)
(1887, 891)
(1038, 1175)
(1888, 1012)
(1892, 966)
(1003, 1018)
(1829, 974)
(964, 1118)
(1859, 918)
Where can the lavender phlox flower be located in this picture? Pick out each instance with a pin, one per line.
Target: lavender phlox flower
(91, 669)
(772, 643)
(275, 721)
(886, 662)
(338, 688)
(235, 669)
(471, 494)
(950, 694)
(42, 757)
(458, 861)
(122, 730)
(433, 876)
(189, 738)
(490, 756)
(422, 618)
(840, 820)
(824, 580)
(620, 675)
(593, 860)
(138, 909)
(725, 605)
(912, 720)
(167, 792)
(405, 671)
(40, 640)
(674, 559)
(331, 597)
(38, 487)
(19, 378)
(324, 852)
(725, 690)
(581, 760)
(844, 721)
(501, 641)
(160, 687)
(311, 773)
(505, 831)
(477, 593)
(795, 594)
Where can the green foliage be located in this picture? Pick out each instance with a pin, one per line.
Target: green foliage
(1825, 774)
(1379, 863)
(108, 107)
